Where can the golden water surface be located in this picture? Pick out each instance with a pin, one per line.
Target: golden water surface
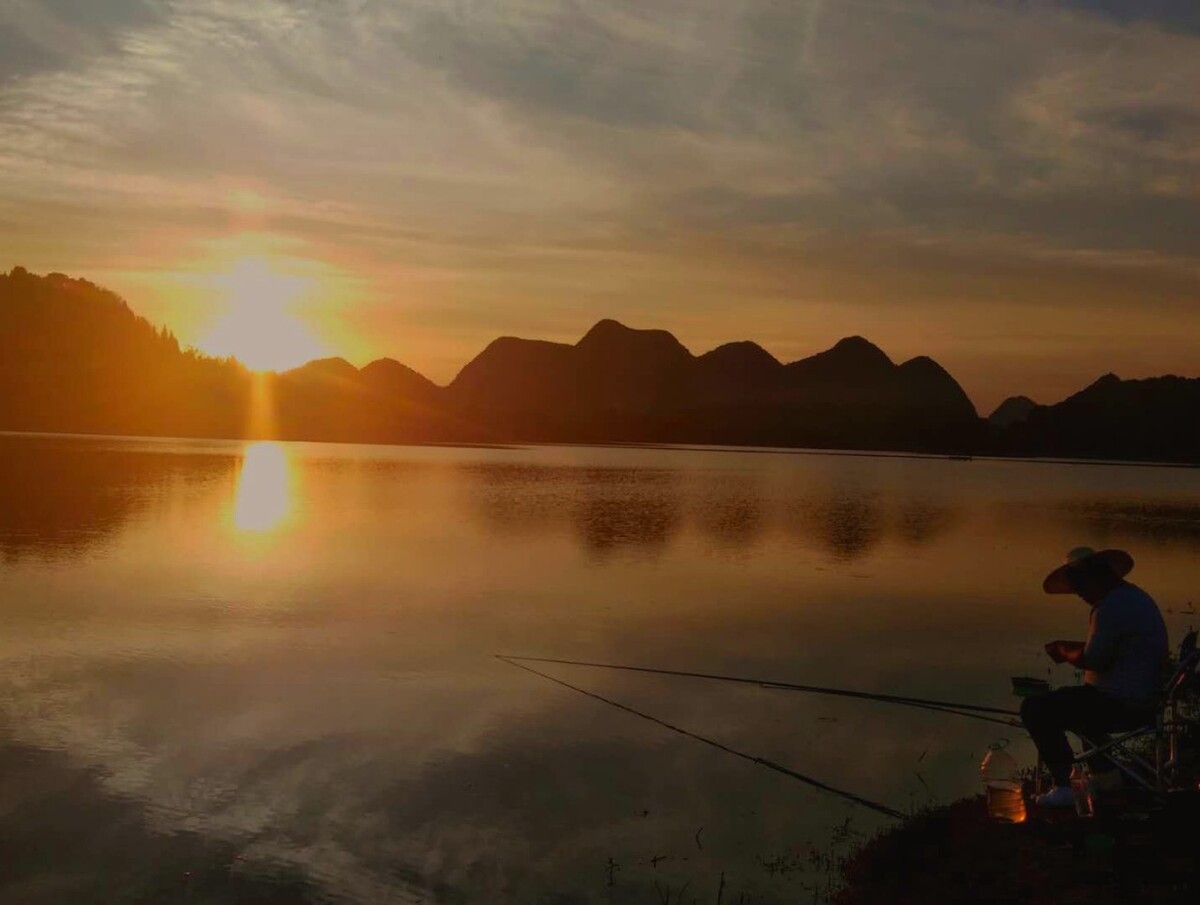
(266, 672)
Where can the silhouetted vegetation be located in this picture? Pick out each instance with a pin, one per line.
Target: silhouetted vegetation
(75, 358)
(956, 854)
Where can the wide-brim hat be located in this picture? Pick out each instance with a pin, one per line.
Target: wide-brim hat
(1085, 559)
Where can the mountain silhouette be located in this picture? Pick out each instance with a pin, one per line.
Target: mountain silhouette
(330, 399)
(739, 364)
(387, 377)
(75, 358)
(324, 371)
(619, 383)
(1013, 410)
(851, 361)
(1154, 419)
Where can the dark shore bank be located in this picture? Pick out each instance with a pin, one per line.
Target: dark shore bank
(956, 854)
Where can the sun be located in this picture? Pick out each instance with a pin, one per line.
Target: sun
(259, 327)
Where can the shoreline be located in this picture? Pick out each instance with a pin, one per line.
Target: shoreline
(955, 853)
(678, 447)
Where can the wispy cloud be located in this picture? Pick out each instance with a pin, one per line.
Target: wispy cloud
(512, 153)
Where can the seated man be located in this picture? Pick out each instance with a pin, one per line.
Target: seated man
(1122, 658)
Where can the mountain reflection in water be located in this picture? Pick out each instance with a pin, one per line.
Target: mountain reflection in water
(270, 666)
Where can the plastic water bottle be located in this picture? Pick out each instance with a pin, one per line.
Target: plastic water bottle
(1002, 784)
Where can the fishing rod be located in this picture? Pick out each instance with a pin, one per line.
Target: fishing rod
(971, 711)
(982, 717)
(761, 761)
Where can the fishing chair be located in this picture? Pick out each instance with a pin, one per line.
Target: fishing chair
(1157, 776)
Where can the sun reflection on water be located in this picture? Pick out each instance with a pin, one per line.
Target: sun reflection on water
(264, 489)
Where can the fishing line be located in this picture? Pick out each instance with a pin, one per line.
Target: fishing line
(761, 761)
(971, 710)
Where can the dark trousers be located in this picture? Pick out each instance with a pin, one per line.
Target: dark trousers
(1081, 709)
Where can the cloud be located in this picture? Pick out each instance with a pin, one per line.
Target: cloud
(48, 34)
(497, 157)
(1171, 14)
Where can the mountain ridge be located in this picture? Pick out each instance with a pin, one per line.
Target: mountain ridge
(75, 357)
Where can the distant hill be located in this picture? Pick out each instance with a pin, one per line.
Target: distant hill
(1156, 419)
(1012, 410)
(75, 358)
(619, 383)
(330, 399)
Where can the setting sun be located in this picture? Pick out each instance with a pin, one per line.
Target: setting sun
(260, 327)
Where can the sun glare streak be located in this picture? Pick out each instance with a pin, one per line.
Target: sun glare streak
(260, 328)
(260, 424)
(264, 496)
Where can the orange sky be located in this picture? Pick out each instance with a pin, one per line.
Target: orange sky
(1010, 188)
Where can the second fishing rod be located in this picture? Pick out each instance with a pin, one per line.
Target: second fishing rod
(972, 711)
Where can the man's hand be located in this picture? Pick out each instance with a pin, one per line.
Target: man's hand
(1065, 651)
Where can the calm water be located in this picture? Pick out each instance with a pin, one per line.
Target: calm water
(265, 673)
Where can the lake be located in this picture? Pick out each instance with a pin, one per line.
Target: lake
(266, 672)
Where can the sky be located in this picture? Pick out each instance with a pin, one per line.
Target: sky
(1010, 187)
